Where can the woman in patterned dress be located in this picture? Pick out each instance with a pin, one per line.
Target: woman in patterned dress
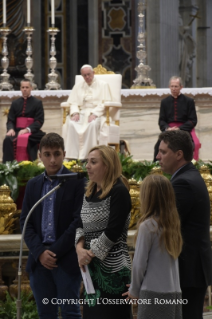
(155, 273)
(101, 239)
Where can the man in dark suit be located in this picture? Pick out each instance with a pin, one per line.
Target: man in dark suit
(50, 235)
(193, 204)
(25, 119)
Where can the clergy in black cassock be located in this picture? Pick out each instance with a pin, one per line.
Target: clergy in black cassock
(177, 111)
(25, 107)
(180, 109)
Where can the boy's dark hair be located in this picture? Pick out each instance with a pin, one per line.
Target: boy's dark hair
(178, 140)
(52, 140)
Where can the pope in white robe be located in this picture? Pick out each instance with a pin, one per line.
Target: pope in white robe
(84, 127)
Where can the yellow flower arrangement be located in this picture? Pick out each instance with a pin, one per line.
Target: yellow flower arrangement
(28, 170)
(69, 165)
(40, 165)
(24, 163)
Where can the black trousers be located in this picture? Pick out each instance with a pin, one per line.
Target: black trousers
(9, 146)
(195, 296)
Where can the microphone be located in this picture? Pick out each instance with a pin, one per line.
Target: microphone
(65, 177)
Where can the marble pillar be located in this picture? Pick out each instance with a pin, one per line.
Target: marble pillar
(204, 44)
(73, 46)
(162, 40)
(36, 42)
(187, 41)
(93, 35)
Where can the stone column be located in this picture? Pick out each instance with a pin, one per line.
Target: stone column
(187, 9)
(162, 40)
(93, 32)
(73, 45)
(36, 42)
(204, 44)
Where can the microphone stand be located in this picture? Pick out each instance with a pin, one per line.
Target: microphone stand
(18, 302)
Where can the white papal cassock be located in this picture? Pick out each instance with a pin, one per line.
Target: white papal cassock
(81, 136)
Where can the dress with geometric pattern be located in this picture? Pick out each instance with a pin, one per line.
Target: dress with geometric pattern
(104, 226)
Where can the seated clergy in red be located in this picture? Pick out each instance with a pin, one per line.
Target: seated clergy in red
(25, 118)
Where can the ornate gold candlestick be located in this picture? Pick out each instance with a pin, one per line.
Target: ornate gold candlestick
(29, 61)
(53, 84)
(5, 85)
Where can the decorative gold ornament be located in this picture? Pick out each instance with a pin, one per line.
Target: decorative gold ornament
(117, 18)
(101, 70)
(7, 211)
(6, 111)
(210, 196)
(25, 284)
(135, 210)
(143, 87)
(206, 175)
(3, 287)
(156, 170)
(7, 205)
(77, 168)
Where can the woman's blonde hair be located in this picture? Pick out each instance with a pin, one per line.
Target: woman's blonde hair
(113, 170)
(157, 200)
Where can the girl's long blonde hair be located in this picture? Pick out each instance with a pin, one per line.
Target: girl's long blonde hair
(113, 170)
(157, 200)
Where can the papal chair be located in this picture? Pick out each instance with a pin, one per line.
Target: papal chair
(112, 108)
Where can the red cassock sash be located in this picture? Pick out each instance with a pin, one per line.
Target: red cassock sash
(22, 140)
(197, 143)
